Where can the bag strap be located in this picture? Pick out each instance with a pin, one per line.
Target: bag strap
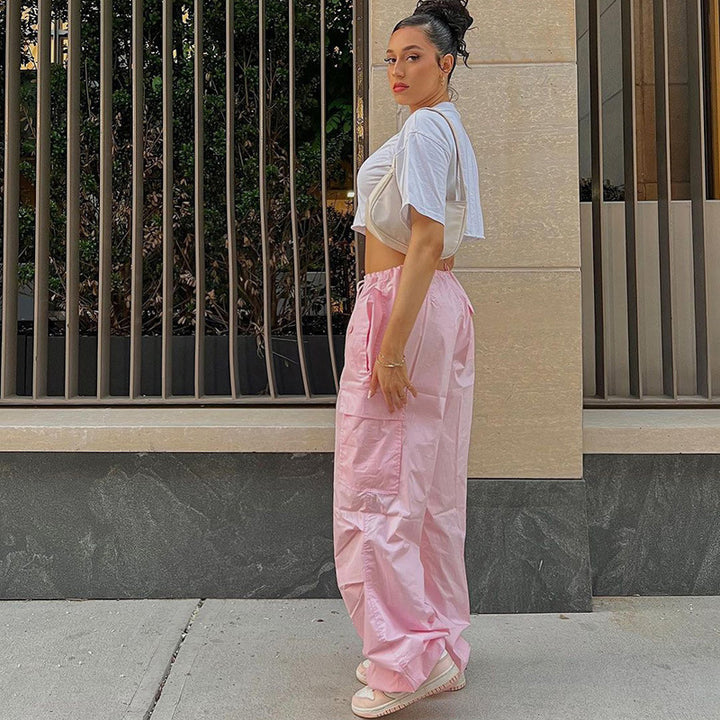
(458, 165)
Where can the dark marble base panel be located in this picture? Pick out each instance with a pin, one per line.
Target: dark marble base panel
(255, 525)
(654, 523)
(526, 546)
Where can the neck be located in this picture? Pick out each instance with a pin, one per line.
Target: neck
(430, 103)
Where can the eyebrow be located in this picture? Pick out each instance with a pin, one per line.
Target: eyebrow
(409, 47)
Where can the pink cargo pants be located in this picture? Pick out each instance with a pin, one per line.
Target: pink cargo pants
(400, 485)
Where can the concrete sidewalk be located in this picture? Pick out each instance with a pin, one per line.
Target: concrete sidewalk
(631, 658)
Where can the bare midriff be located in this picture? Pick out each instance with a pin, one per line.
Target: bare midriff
(381, 257)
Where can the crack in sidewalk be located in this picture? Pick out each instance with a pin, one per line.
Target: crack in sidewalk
(149, 712)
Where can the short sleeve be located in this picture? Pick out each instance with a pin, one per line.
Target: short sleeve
(422, 166)
(359, 220)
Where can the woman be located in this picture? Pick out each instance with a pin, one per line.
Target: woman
(404, 404)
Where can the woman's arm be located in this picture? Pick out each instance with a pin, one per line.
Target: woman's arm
(423, 255)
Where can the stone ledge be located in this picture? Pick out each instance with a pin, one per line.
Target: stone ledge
(307, 429)
(665, 430)
(80, 429)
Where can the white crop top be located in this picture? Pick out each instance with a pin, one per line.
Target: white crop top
(424, 152)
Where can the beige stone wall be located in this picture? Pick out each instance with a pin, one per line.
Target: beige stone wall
(518, 101)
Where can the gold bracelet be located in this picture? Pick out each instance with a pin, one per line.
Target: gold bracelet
(389, 364)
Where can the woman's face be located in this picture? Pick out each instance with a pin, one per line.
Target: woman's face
(414, 75)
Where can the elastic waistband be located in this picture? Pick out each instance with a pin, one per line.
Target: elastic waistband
(389, 275)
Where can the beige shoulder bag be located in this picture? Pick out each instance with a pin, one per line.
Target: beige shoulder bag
(383, 217)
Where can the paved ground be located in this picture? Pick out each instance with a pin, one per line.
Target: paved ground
(654, 658)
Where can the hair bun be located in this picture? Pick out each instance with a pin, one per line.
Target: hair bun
(453, 13)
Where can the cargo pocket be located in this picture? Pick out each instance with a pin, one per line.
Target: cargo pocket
(369, 443)
(356, 340)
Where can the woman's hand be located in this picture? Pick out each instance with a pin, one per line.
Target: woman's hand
(394, 384)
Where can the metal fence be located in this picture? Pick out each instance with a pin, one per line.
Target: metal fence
(71, 367)
(650, 270)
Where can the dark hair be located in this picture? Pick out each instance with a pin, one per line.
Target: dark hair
(445, 24)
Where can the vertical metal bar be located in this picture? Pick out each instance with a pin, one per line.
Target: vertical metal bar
(167, 270)
(72, 238)
(293, 208)
(662, 139)
(42, 203)
(696, 120)
(630, 163)
(263, 208)
(11, 180)
(230, 190)
(323, 185)
(361, 140)
(105, 240)
(601, 385)
(199, 206)
(72, 242)
(136, 260)
(713, 64)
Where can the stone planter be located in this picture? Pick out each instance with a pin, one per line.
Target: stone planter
(252, 374)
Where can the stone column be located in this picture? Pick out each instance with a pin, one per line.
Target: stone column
(518, 101)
